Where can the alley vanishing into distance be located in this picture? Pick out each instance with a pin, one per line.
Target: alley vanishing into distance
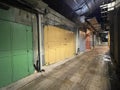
(85, 72)
(59, 45)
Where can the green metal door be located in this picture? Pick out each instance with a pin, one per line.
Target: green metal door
(5, 53)
(16, 52)
(29, 49)
(19, 51)
(22, 51)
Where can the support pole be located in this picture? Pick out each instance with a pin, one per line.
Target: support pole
(39, 17)
(93, 40)
(38, 63)
(77, 42)
(41, 41)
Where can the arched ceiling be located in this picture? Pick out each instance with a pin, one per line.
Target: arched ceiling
(76, 9)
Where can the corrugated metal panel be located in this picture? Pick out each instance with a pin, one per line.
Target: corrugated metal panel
(59, 44)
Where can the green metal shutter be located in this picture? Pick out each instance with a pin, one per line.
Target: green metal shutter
(30, 49)
(5, 53)
(19, 52)
(22, 51)
(16, 52)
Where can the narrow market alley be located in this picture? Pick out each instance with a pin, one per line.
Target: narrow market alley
(59, 44)
(88, 71)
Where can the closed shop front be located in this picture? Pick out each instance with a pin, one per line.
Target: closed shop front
(88, 40)
(59, 44)
(16, 49)
(82, 41)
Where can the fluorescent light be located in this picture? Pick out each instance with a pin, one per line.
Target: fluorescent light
(110, 6)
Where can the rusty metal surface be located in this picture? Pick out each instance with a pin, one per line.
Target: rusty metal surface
(85, 72)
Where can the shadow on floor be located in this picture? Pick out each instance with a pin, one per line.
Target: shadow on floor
(114, 80)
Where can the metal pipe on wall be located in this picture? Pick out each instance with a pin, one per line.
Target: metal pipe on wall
(40, 39)
(37, 66)
(41, 51)
(77, 42)
(41, 32)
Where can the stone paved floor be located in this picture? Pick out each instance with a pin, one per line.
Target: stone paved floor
(85, 72)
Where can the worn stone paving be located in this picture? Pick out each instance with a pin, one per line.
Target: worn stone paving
(85, 72)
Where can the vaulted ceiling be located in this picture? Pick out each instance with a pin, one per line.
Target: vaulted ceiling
(78, 10)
